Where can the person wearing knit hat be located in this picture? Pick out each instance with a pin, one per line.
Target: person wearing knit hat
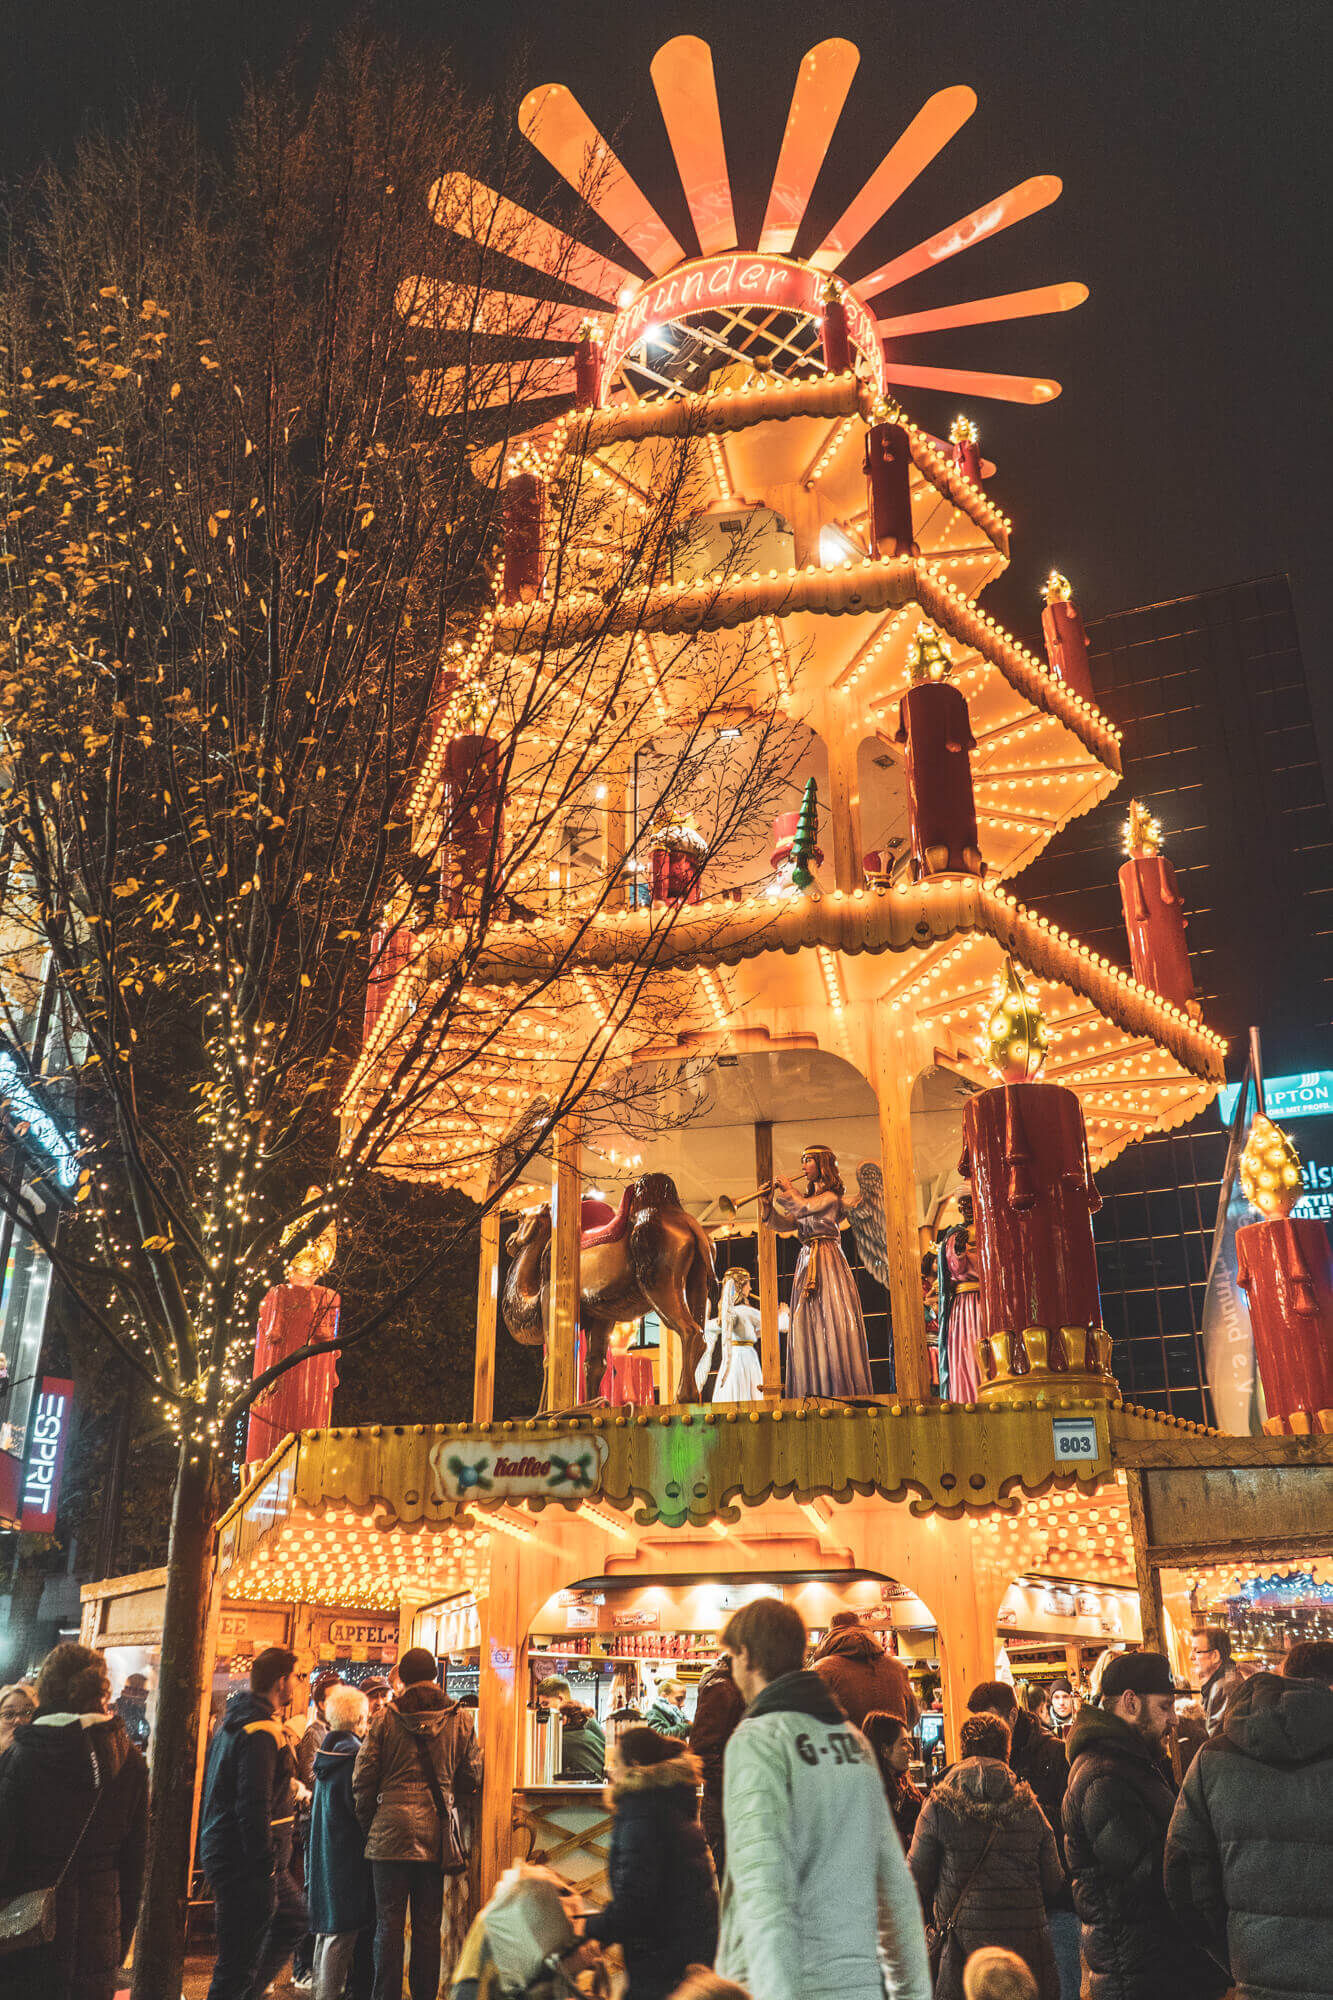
(419, 1756)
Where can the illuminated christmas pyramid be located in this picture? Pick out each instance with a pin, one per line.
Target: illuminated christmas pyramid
(737, 526)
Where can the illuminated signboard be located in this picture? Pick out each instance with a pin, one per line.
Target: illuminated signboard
(48, 1431)
(742, 278)
(1309, 1095)
(37, 1127)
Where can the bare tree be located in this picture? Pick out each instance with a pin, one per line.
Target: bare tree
(257, 424)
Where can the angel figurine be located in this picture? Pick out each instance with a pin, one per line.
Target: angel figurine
(826, 1347)
(739, 1375)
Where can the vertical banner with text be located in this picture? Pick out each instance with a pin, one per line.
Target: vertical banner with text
(48, 1433)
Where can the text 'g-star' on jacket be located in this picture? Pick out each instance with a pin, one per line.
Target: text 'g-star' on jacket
(663, 1907)
(246, 1819)
(1117, 1810)
(393, 1797)
(817, 1903)
(999, 1890)
(1249, 1855)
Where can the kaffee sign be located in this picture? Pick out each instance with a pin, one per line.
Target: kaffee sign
(559, 1469)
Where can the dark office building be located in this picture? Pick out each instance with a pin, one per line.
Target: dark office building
(1212, 697)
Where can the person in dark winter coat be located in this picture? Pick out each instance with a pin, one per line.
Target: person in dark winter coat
(984, 1861)
(73, 1767)
(718, 1707)
(1037, 1756)
(245, 1833)
(1216, 1672)
(891, 1740)
(409, 1847)
(1118, 1807)
(860, 1675)
(339, 1884)
(663, 1907)
(583, 1740)
(1249, 1853)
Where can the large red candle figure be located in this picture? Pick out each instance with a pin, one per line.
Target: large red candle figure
(835, 339)
(933, 724)
(1155, 914)
(888, 469)
(473, 842)
(1025, 1150)
(1066, 640)
(1285, 1268)
(293, 1316)
(524, 524)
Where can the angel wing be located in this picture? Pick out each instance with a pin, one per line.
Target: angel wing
(868, 1222)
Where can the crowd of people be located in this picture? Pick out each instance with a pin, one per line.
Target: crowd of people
(774, 1845)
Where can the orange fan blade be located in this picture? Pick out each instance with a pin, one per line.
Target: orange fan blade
(822, 84)
(966, 382)
(445, 391)
(469, 208)
(984, 312)
(463, 309)
(682, 74)
(939, 118)
(559, 127)
(1006, 209)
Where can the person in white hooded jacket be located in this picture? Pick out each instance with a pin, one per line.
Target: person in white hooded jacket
(817, 1902)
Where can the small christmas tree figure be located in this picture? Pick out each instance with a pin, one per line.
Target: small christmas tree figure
(806, 838)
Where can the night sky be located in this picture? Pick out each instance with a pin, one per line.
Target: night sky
(1193, 443)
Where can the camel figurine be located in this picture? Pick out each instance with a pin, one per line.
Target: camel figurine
(651, 1257)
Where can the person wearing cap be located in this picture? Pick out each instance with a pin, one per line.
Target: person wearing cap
(1249, 1853)
(419, 1756)
(377, 1690)
(1117, 1809)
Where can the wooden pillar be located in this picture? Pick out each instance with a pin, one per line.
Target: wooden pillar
(503, 1686)
(615, 816)
(842, 739)
(562, 1374)
(967, 1606)
(1149, 1579)
(488, 1302)
(893, 1076)
(770, 1344)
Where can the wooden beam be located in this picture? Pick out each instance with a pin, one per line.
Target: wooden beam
(842, 737)
(561, 1333)
(893, 1078)
(488, 1302)
(1148, 1579)
(770, 1342)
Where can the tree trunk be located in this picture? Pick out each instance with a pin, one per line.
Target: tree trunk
(159, 1952)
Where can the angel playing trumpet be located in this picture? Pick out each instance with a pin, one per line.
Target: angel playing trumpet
(826, 1347)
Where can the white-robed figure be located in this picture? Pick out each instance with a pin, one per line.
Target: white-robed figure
(739, 1374)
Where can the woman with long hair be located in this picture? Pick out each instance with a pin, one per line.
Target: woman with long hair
(827, 1353)
(73, 1811)
(891, 1740)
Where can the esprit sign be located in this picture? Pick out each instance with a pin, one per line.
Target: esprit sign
(48, 1432)
(745, 278)
(569, 1470)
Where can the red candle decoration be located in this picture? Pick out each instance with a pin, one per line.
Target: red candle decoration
(302, 1399)
(1025, 1150)
(963, 437)
(524, 521)
(933, 724)
(1066, 640)
(588, 367)
(888, 468)
(473, 805)
(390, 949)
(1285, 1269)
(677, 855)
(1155, 913)
(833, 333)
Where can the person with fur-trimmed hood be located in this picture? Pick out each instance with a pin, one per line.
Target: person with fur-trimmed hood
(984, 1860)
(663, 1907)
